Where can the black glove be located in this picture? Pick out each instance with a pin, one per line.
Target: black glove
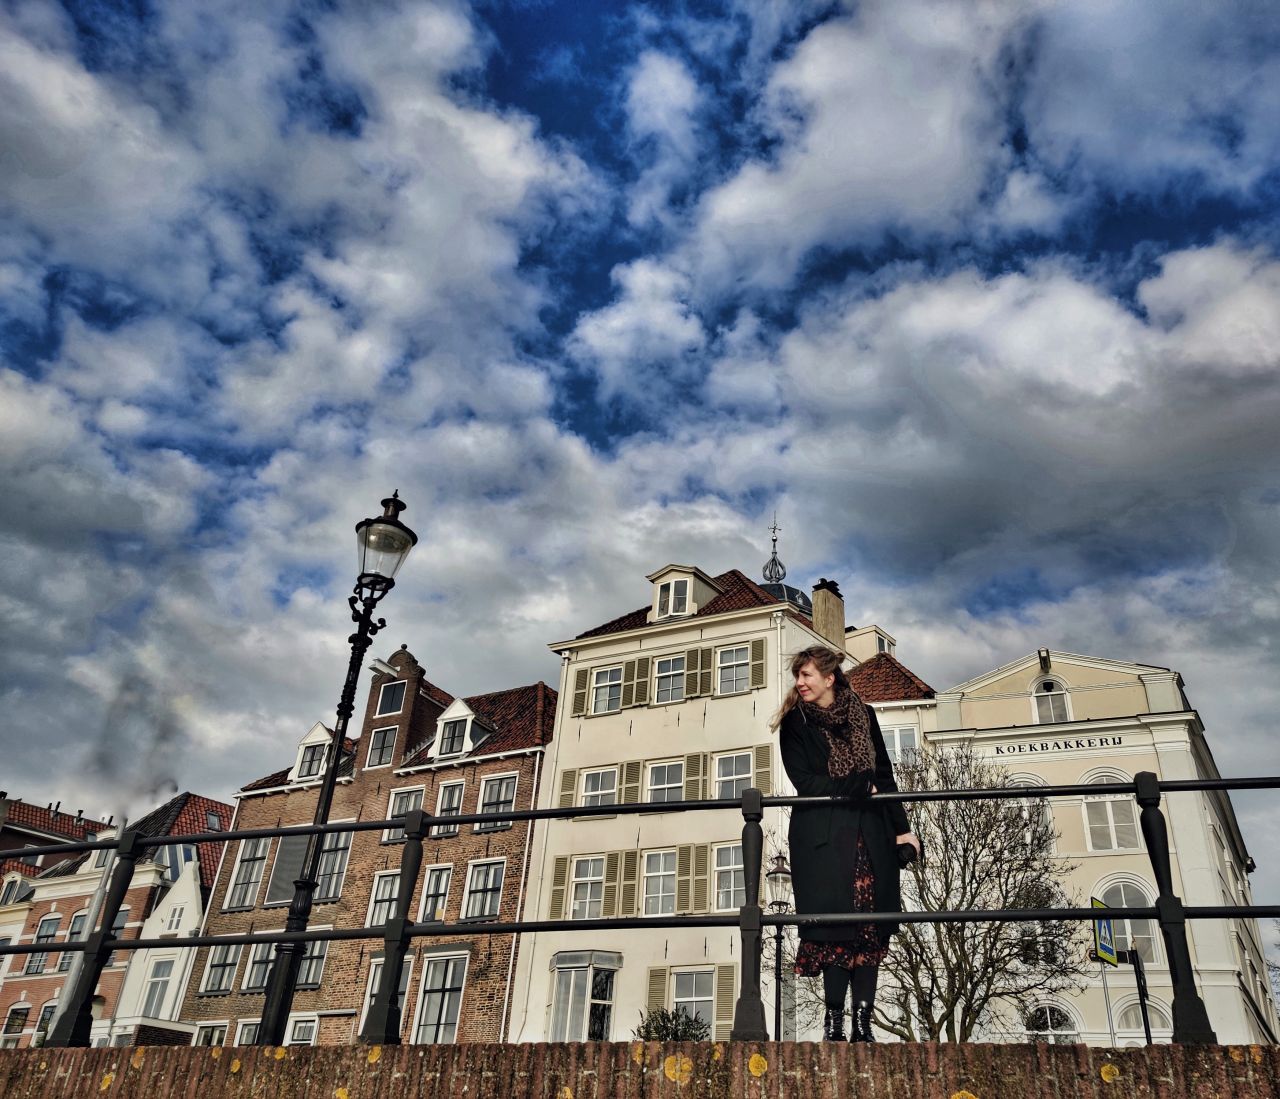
(907, 854)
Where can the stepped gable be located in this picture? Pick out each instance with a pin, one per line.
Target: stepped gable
(738, 592)
(884, 678)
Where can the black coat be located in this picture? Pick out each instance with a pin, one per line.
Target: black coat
(823, 838)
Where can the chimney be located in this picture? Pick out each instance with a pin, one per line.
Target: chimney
(828, 613)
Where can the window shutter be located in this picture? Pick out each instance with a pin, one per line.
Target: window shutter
(704, 675)
(568, 788)
(656, 1000)
(701, 877)
(609, 905)
(630, 882)
(726, 997)
(761, 756)
(628, 684)
(691, 677)
(559, 880)
(579, 692)
(695, 776)
(684, 877)
(757, 663)
(632, 771)
(642, 681)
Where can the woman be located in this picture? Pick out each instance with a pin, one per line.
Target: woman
(844, 856)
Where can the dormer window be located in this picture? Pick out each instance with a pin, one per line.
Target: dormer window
(673, 598)
(453, 738)
(1051, 702)
(390, 700)
(312, 760)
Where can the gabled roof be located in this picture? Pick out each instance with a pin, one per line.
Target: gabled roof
(1031, 659)
(884, 678)
(8, 865)
(521, 717)
(281, 778)
(39, 818)
(738, 592)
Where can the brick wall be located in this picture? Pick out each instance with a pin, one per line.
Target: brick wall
(634, 1070)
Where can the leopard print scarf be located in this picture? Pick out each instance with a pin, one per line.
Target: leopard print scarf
(847, 727)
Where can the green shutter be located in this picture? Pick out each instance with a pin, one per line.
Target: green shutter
(609, 904)
(726, 998)
(628, 684)
(762, 758)
(695, 776)
(691, 666)
(642, 681)
(704, 675)
(684, 877)
(559, 882)
(632, 772)
(630, 882)
(656, 1000)
(757, 663)
(701, 877)
(579, 692)
(568, 788)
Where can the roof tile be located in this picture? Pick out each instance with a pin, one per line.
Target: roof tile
(738, 592)
(884, 678)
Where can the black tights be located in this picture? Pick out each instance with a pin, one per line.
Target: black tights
(836, 980)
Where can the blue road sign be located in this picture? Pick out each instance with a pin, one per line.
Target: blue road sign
(1104, 940)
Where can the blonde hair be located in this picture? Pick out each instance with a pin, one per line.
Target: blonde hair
(826, 660)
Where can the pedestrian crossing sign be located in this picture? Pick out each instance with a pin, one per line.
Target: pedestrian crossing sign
(1104, 940)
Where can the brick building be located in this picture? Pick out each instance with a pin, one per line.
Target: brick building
(419, 747)
(137, 997)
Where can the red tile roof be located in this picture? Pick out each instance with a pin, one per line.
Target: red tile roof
(738, 592)
(522, 717)
(281, 778)
(24, 868)
(884, 678)
(38, 818)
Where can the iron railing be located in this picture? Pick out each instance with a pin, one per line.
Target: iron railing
(382, 1024)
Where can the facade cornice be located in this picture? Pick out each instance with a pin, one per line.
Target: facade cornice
(466, 761)
(661, 629)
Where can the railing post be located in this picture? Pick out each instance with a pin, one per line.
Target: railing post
(382, 1027)
(76, 1021)
(1190, 1019)
(748, 1014)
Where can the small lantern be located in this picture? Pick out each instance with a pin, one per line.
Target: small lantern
(778, 880)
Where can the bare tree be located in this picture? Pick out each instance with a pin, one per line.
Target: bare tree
(952, 981)
(1273, 967)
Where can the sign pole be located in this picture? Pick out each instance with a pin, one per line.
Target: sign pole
(1104, 949)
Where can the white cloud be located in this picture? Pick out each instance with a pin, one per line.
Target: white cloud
(662, 104)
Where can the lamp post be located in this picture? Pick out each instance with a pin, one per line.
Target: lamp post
(778, 879)
(383, 544)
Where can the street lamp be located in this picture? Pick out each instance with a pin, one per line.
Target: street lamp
(778, 880)
(383, 543)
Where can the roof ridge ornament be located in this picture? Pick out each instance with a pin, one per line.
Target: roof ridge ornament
(774, 570)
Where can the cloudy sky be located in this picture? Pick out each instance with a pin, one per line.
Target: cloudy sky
(982, 298)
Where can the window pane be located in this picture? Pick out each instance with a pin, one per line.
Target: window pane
(391, 699)
(288, 868)
(1099, 825)
(1122, 814)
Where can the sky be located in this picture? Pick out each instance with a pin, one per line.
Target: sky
(981, 299)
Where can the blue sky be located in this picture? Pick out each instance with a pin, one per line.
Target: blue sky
(983, 299)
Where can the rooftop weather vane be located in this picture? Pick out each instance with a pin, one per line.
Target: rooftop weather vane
(774, 570)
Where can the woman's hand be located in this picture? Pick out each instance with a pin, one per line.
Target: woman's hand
(911, 838)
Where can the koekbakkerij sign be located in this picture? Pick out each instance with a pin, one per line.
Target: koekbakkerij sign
(1067, 744)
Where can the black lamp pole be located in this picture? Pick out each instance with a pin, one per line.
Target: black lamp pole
(383, 544)
(779, 880)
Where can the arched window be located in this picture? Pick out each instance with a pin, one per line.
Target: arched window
(1034, 810)
(1051, 702)
(1139, 935)
(1131, 1017)
(1111, 823)
(1048, 1023)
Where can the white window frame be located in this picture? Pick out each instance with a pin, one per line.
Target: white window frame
(296, 1021)
(427, 871)
(10, 1039)
(261, 956)
(387, 902)
(470, 890)
(75, 934)
(445, 732)
(424, 990)
(174, 922)
(319, 761)
(371, 988)
(388, 747)
(1061, 692)
(485, 783)
(560, 987)
(709, 972)
(230, 969)
(241, 1026)
(223, 1025)
(741, 669)
(317, 949)
(893, 737)
(1053, 1035)
(382, 694)
(674, 677)
(650, 766)
(261, 862)
(325, 851)
(668, 592)
(395, 834)
(442, 831)
(586, 871)
(151, 983)
(717, 778)
(736, 871)
(38, 961)
(660, 895)
(613, 672)
(1123, 929)
(598, 796)
(1101, 779)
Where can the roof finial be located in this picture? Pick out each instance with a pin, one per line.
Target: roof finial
(774, 570)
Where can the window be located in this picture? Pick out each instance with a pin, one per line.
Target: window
(42, 1024)
(213, 823)
(600, 787)
(606, 694)
(900, 741)
(1139, 935)
(247, 1033)
(391, 699)
(666, 781)
(1051, 702)
(441, 1000)
(382, 743)
(302, 1032)
(448, 804)
(290, 856)
(497, 795)
(382, 901)
(731, 888)
(117, 932)
(588, 889)
(1111, 823)
(402, 802)
(734, 667)
(312, 762)
(10, 891)
(693, 993)
(248, 876)
(1131, 1018)
(733, 774)
(221, 968)
(484, 890)
(74, 934)
(453, 738)
(312, 967)
(157, 988)
(14, 1024)
(1050, 1024)
(375, 978)
(673, 598)
(211, 1035)
(174, 857)
(259, 967)
(659, 883)
(670, 679)
(334, 848)
(174, 921)
(435, 893)
(582, 1004)
(46, 932)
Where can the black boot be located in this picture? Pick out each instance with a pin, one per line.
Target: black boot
(833, 1025)
(861, 1023)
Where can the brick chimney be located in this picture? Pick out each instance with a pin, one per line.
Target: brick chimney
(828, 613)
